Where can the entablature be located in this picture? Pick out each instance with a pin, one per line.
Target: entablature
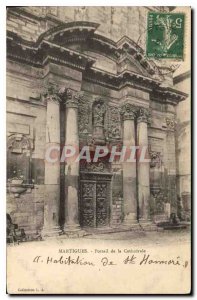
(53, 46)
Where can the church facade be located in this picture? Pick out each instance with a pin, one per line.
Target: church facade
(80, 77)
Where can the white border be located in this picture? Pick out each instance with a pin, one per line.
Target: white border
(3, 151)
(95, 3)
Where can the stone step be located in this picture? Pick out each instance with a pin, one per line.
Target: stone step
(123, 228)
(150, 227)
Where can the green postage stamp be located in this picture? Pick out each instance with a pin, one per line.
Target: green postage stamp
(165, 35)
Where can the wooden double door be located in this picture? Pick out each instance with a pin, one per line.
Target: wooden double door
(94, 203)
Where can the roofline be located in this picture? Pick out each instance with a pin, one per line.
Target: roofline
(181, 77)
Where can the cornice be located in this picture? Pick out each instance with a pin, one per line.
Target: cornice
(181, 77)
(118, 81)
(84, 33)
(67, 31)
(39, 55)
(47, 49)
(168, 95)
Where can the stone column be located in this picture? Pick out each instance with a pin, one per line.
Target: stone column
(129, 168)
(71, 166)
(143, 166)
(171, 163)
(52, 165)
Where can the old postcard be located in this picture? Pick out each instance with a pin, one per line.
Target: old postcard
(98, 150)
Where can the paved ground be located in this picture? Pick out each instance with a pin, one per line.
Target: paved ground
(152, 237)
(137, 238)
(134, 238)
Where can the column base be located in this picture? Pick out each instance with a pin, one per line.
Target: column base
(130, 224)
(71, 227)
(148, 225)
(73, 231)
(50, 232)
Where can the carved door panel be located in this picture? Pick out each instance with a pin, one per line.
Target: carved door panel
(88, 204)
(94, 204)
(101, 204)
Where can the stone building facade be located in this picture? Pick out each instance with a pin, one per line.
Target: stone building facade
(183, 144)
(78, 76)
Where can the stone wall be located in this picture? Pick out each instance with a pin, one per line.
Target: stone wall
(117, 197)
(26, 108)
(115, 22)
(163, 159)
(28, 210)
(183, 143)
(26, 116)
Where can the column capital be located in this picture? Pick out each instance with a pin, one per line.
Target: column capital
(71, 97)
(143, 115)
(52, 93)
(170, 123)
(128, 111)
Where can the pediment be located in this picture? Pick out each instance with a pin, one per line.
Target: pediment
(82, 36)
(129, 64)
(102, 62)
(107, 64)
(73, 41)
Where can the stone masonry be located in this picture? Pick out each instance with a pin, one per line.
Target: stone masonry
(78, 76)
